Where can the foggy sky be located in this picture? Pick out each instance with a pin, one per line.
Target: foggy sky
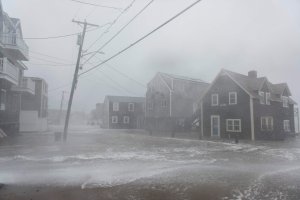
(232, 34)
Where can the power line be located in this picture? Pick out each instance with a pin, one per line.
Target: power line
(125, 26)
(113, 22)
(62, 36)
(142, 38)
(97, 5)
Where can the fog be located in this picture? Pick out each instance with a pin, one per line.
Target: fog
(235, 35)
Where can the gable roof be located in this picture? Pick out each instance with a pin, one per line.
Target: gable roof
(252, 85)
(126, 99)
(173, 76)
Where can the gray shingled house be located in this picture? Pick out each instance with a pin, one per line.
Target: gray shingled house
(248, 106)
(172, 101)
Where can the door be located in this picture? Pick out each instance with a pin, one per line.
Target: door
(215, 126)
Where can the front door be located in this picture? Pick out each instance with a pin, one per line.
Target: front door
(215, 126)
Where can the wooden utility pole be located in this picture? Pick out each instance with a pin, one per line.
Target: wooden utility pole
(61, 107)
(75, 78)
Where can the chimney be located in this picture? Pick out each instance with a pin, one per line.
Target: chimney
(252, 74)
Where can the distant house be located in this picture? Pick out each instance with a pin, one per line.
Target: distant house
(122, 112)
(172, 101)
(13, 51)
(34, 108)
(250, 107)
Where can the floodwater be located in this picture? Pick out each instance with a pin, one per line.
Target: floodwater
(137, 166)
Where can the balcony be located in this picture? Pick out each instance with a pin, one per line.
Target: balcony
(9, 71)
(27, 85)
(14, 46)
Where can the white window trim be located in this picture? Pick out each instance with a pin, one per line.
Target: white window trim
(285, 101)
(115, 106)
(131, 110)
(268, 98)
(114, 119)
(164, 103)
(267, 123)
(3, 105)
(126, 120)
(212, 99)
(286, 124)
(211, 125)
(233, 120)
(235, 98)
(262, 97)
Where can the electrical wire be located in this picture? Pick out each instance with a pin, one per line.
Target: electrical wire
(112, 23)
(124, 27)
(97, 5)
(142, 38)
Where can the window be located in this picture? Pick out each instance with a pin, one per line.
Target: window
(114, 119)
(126, 120)
(164, 103)
(115, 106)
(131, 107)
(150, 105)
(233, 125)
(195, 107)
(286, 126)
(214, 99)
(262, 97)
(285, 102)
(232, 98)
(268, 97)
(2, 99)
(267, 123)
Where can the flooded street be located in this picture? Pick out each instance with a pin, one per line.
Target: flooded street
(118, 164)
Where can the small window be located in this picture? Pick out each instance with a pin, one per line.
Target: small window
(262, 97)
(285, 102)
(267, 123)
(115, 106)
(2, 99)
(164, 103)
(286, 126)
(232, 98)
(114, 119)
(214, 99)
(195, 107)
(233, 125)
(126, 120)
(150, 105)
(131, 107)
(268, 97)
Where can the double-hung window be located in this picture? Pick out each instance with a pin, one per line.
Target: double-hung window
(114, 119)
(126, 120)
(164, 103)
(115, 106)
(233, 125)
(266, 123)
(232, 98)
(131, 107)
(261, 97)
(214, 99)
(286, 126)
(268, 97)
(285, 101)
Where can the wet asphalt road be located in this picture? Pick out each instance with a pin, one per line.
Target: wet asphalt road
(134, 165)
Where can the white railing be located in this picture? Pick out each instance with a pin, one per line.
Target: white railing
(9, 69)
(12, 39)
(28, 84)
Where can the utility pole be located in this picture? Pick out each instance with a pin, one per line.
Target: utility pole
(75, 78)
(61, 106)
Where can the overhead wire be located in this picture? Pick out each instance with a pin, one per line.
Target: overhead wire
(112, 23)
(120, 31)
(97, 5)
(142, 38)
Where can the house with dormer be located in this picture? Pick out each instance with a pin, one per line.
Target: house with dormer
(172, 102)
(246, 106)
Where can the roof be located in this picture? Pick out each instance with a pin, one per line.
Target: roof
(173, 76)
(252, 85)
(126, 99)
